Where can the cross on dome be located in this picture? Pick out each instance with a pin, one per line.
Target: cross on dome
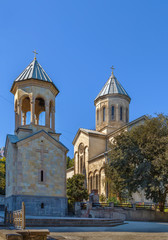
(112, 68)
(35, 54)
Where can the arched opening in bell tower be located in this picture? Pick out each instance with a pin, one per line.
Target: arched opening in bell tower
(40, 111)
(25, 111)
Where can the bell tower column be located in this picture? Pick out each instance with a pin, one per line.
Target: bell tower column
(19, 113)
(53, 119)
(32, 109)
(47, 119)
(24, 118)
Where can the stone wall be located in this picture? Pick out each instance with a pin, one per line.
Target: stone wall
(145, 215)
(39, 206)
(70, 172)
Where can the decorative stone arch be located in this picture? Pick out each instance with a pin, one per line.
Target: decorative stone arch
(38, 95)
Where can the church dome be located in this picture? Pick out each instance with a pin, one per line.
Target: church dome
(34, 70)
(112, 87)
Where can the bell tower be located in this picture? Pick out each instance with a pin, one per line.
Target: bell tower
(34, 100)
(35, 158)
(112, 106)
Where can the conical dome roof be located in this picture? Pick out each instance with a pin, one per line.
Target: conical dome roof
(111, 87)
(34, 70)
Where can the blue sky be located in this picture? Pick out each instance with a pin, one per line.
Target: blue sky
(77, 42)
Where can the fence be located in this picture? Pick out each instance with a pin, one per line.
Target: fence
(137, 206)
(16, 218)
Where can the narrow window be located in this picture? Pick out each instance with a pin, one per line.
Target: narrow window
(81, 165)
(97, 116)
(90, 183)
(112, 113)
(42, 176)
(121, 114)
(104, 114)
(42, 205)
(97, 179)
(126, 115)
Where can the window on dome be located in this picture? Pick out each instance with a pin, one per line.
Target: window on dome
(104, 114)
(121, 113)
(126, 115)
(112, 113)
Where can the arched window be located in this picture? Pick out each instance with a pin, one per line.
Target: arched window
(121, 113)
(112, 113)
(42, 176)
(126, 115)
(104, 114)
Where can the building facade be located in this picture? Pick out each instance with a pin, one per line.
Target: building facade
(2, 152)
(35, 158)
(91, 146)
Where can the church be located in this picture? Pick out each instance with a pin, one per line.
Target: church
(91, 146)
(35, 157)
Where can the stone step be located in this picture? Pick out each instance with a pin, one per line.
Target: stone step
(77, 222)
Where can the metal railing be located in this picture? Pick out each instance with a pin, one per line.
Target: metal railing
(16, 218)
(137, 206)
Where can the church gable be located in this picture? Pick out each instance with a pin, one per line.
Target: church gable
(45, 135)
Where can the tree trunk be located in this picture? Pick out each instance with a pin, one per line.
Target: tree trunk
(162, 201)
(161, 206)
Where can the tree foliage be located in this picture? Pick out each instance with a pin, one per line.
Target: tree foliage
(139, 160)
(70, 162)
(76, 191)
(2, 175)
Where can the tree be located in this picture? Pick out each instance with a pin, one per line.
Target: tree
(139, 160)
(70, 162)
(76, 190)
(2, 175)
